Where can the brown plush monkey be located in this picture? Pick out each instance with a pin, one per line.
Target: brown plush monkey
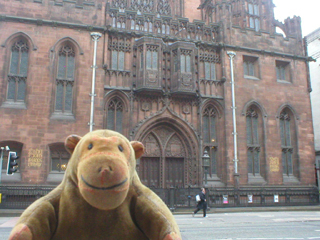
(100, 198)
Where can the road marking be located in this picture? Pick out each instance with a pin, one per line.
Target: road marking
(270, 238)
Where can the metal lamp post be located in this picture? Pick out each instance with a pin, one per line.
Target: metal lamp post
(206, 165)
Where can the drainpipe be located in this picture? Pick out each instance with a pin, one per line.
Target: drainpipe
(95, 36)
(235, 149)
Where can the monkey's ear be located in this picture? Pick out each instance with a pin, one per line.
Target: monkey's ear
(71, 142)
(138, 148)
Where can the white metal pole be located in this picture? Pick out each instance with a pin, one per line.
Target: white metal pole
(235, 144)
(95, 36)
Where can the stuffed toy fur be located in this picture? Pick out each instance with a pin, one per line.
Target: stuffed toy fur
(100, 198)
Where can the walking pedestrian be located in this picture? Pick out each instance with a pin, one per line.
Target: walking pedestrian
(202, 204)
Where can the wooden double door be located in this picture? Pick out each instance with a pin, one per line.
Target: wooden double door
(164, 162)
(150, 172)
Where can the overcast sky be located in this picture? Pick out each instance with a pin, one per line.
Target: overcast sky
(308, 10)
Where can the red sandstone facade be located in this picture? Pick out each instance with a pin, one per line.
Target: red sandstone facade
(163, 77)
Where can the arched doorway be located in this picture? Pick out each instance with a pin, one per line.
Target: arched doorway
(167, 158)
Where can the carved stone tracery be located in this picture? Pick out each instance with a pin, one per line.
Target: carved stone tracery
(175, 147)
(119, 4)
(119, 44)
(152, 146)
(142, 5)
(209, 55)
(163, 7)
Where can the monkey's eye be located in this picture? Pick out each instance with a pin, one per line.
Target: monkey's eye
(120, 148)
(90, 146)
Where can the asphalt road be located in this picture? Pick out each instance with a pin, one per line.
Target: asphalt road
(251, 226)
(234, 226)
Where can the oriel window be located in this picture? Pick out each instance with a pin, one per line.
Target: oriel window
(65, 80)
(18, 71)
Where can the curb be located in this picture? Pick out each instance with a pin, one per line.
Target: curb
(251, 209)
(186, 211)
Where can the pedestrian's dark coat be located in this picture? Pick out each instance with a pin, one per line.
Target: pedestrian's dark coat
(202, 204)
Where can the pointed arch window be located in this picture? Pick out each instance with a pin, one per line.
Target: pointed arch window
(18, 71)
(253, 144)
(65, 79)
(209, 124)
(209, 134)
(115, 115)
(286, 142)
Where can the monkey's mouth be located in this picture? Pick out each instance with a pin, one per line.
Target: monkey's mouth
(104, 188)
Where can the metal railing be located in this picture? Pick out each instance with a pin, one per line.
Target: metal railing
(20, 197)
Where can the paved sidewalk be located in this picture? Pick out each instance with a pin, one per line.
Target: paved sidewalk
(17, 212)
(251, 209)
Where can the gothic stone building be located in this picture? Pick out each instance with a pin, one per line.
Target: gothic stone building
(161, 72)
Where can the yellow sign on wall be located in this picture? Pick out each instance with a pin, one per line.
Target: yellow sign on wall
(35, 158)
(0, 197)
(274, 164)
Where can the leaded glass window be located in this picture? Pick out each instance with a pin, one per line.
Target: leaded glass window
(250, 66)
(210, 70)
(18, 71)
(185, 61)
(165, 29)
(117, 60)
(283, 70)
(115, 115)
(141, 59)
(59, 157)
(209, 124)
(287, 148)
(254, 16)
(210, 136)
(152, 60)
(253, 144)
(65, 79)
(281, 73)
(212, 151)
